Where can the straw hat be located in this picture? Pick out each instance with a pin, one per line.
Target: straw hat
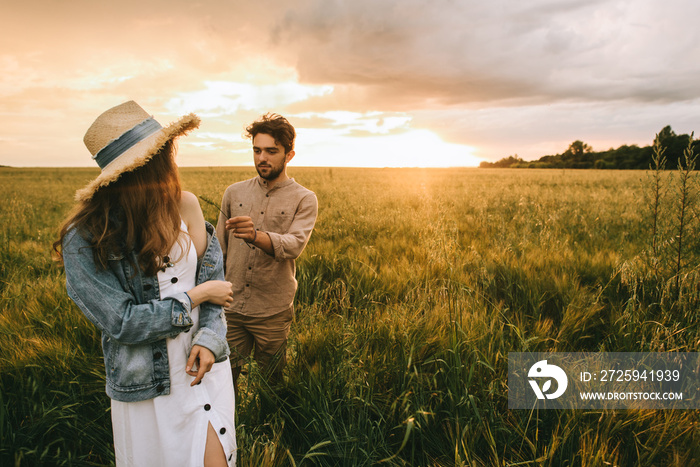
(124, 138)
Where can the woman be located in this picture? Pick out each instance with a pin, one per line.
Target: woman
(144, 266)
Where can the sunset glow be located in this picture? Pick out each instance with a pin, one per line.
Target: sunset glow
(365, 83)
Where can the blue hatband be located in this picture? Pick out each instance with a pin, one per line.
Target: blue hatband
(120, 145)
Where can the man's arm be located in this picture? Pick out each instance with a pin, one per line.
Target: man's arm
(243, 227)
(291, 244)
(282, 246)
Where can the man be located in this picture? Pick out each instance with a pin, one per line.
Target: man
(268, 223)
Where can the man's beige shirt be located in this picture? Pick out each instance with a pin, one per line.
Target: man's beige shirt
(264, 285)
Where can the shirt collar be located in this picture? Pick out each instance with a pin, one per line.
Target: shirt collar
(263, 183)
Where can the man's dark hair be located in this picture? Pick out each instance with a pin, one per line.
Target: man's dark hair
(276, 126)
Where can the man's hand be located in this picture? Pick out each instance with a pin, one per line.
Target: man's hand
(242, 227)
(203, 359)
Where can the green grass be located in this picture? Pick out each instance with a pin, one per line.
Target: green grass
(415, 286)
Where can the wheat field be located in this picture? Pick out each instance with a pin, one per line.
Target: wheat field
(415, 286)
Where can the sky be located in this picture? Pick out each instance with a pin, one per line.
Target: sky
(368, 83)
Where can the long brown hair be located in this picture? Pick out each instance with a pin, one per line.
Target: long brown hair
(137, 212)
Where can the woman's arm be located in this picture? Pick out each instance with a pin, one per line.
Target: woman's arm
(212, 292)
(107, 299)
(191, 213)
(212, 323)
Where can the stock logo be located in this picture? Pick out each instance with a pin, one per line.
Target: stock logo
(542, 370)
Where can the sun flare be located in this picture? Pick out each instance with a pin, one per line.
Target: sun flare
(411, 148)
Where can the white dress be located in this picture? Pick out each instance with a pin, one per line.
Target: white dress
(171, 430)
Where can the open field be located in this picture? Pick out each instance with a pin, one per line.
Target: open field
(415, 286)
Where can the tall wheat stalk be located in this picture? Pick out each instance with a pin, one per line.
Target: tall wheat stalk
(657, 167)
(687, 198)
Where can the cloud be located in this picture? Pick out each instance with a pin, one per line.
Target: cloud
(354, 123)
(537, 130)
(227, 97)
(452, 52)
(503, 77)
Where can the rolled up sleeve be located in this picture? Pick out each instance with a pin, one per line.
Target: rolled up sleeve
(291, 244)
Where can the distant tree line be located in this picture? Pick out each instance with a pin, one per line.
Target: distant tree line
(580, 155)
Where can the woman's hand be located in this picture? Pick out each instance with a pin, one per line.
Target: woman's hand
(203, 359)
(216, 292)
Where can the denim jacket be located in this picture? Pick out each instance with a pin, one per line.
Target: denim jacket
(126, 306)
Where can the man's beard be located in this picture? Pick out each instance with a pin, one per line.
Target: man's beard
(273, 173)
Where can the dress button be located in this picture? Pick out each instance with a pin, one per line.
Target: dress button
(222, 431)
(173, 280)
(207, 407)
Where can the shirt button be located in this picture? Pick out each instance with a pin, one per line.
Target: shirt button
(247, 285)
(147, 287)
(262, 212)
(222, 431)
(207, 407)
(157, 355)
(173, 280)
(160, 388)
